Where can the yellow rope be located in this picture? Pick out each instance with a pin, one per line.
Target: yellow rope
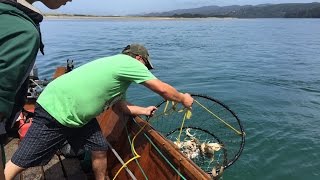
(167, 111)
(228, 125)
(165, 108)
(187, 115)
(173, 108)
(136, 155)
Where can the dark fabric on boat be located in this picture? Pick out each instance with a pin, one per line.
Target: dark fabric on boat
(46, 136)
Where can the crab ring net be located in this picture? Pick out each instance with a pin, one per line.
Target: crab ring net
(213, 137)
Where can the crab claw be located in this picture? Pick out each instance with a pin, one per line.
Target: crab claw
(188, 133)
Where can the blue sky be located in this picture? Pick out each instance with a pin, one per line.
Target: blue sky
(125, 7)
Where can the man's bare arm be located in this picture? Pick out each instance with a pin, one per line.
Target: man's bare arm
(131, 109)
(168, 92)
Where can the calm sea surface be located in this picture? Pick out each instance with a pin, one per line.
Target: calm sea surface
(266, 70)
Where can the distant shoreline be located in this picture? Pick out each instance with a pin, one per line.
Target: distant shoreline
(64, 16)
(283, 10)
(93, 17)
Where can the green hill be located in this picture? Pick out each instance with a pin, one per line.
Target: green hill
(287, 10)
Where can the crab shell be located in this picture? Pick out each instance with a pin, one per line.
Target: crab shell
(210, 147)
(179, 144)
(214, 146)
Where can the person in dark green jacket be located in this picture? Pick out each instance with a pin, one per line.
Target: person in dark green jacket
(20, 40)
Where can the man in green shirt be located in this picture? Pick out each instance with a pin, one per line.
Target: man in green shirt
(67, 108)
(20, 40)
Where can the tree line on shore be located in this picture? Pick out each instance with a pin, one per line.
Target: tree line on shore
(287, 10)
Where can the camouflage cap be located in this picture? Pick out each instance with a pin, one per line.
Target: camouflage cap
(138, 49)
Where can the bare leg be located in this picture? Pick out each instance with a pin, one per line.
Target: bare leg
(12, 170)
(99, 164)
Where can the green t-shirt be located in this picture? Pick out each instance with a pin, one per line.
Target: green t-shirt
(75, 98)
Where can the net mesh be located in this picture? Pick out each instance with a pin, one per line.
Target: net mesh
(210, 125)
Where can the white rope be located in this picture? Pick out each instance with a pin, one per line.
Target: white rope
(36, 84)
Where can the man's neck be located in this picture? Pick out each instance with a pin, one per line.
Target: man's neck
(27, 4)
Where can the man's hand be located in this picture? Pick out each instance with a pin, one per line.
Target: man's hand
(149, 111)
(187, 100)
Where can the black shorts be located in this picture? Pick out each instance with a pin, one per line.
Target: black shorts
(46, 135)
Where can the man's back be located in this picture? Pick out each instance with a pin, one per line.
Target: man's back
(80, 95)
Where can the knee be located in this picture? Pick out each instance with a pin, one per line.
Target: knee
(98, 154)
(11, 170)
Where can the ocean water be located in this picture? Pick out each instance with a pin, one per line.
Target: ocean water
(265, 70)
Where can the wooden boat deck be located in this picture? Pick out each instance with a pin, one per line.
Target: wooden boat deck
(51, 171)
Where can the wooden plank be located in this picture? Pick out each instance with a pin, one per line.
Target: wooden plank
(59, 71)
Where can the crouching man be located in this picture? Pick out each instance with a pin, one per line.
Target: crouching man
(67, 108)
